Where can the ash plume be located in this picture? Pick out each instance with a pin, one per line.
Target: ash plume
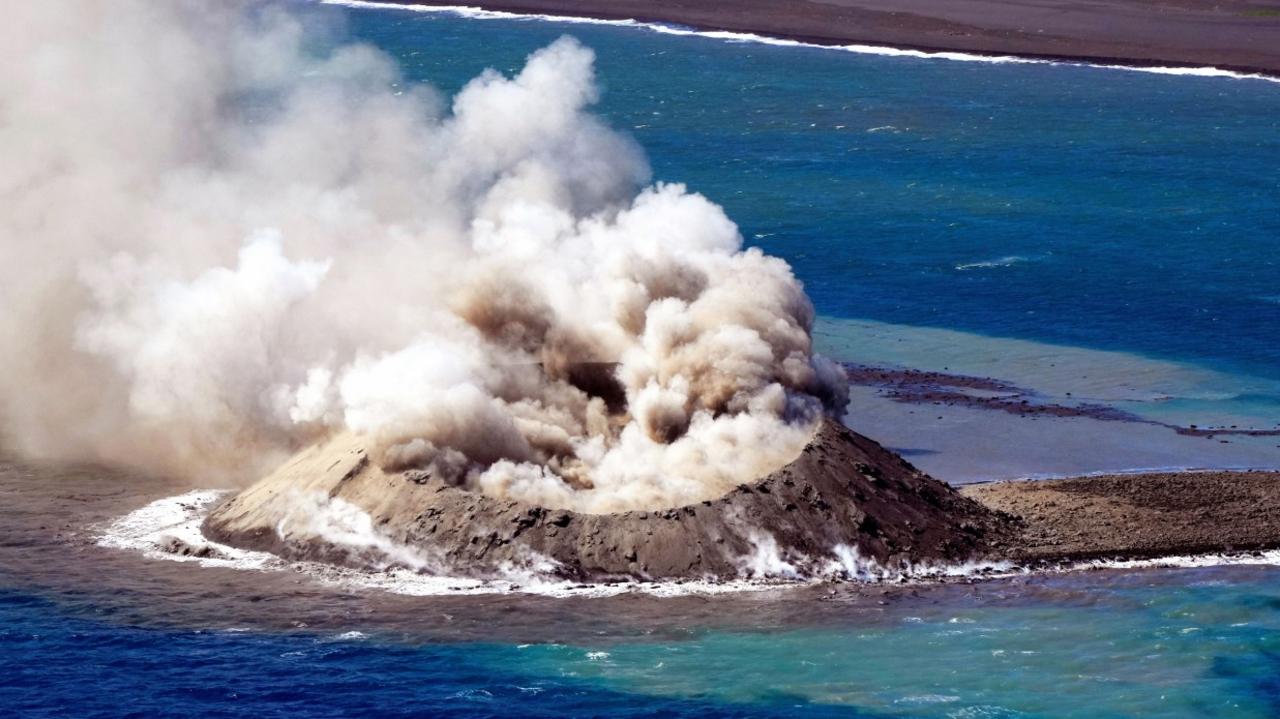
(222, 244)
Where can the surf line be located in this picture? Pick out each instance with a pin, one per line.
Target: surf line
(170, 529)
(476, 13)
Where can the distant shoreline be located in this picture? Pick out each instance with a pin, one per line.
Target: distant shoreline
(1239, 36)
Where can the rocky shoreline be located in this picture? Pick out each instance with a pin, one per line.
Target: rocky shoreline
(845, 500)
(844, 506)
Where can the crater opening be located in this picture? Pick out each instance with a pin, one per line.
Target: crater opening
(602, 461)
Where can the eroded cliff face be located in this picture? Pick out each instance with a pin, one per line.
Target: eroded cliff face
(845, 496)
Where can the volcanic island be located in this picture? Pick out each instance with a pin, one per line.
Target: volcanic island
(843, 497)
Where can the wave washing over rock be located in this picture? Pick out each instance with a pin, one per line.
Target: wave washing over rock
(171, 529)
(843, 505)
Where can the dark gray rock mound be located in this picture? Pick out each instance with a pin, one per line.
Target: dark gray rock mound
(843, 493)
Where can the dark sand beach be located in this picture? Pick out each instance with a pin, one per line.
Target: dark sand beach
(1140, 515)
(1242, 35)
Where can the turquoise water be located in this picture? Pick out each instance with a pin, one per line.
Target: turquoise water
(1119, 648)
(1194, 643)
(1132, 219)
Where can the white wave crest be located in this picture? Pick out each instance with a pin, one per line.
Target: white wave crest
(169, 529)
(477, 13)
(1006, 261)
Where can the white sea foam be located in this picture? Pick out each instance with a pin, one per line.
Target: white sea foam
(928, 699)
(169, 529)
(1006, 261)
(476, 13)
(1181, 561)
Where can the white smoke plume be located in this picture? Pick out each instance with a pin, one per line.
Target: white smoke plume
(220, 244)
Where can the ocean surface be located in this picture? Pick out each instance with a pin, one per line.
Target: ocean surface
(1091, 235)
(91, 631)
(1183, 645)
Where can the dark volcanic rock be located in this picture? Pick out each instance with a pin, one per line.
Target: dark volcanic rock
(1137, 515)
(844, 490)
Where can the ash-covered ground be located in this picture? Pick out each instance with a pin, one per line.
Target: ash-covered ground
(844, 504)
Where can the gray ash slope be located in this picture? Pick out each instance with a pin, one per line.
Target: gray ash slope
(844, 490)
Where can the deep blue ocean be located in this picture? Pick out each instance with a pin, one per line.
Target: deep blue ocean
(1063, 226)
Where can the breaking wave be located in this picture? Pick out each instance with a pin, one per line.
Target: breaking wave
(476, 13)
(1006, 261)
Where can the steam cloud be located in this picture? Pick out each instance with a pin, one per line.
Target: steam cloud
(220, 246)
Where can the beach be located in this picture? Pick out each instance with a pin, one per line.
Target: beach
(1240, 35)
(1139, 516)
